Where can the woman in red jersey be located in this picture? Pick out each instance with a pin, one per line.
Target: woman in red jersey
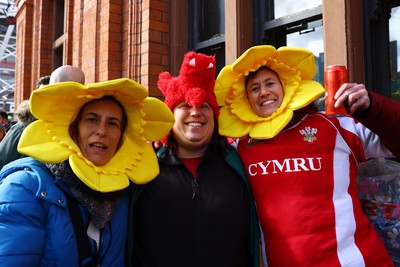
(302, 164)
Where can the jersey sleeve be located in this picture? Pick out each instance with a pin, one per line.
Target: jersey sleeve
(371, 143)
(383, 119)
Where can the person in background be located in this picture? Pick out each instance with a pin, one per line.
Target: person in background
(67, 203)
(302, 164)
(199, 210)
(44, 80)
(2, 132)
(67, 73)
(4, 120)
(8, 148)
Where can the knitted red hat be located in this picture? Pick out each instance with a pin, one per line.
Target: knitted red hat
(194, 85)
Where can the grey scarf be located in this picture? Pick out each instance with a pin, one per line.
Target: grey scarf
(100, 205)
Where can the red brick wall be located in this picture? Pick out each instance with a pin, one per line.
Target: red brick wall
(41, 41)
(156, 19)
(23, 64)
(108, 39)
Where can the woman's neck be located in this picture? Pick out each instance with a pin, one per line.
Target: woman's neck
(191, 153)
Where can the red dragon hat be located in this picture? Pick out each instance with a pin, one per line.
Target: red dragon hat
(194, 85)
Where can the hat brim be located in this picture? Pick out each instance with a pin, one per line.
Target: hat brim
(55, 106)
(295, 68)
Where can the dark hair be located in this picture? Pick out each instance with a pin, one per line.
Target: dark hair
(4, 114)
(24, 114)
(73, 128)
(2, 131)
(43, 81)
(252, 74)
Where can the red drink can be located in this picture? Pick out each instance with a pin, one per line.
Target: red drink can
(335, 76)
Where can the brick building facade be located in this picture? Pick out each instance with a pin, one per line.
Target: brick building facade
(107, 39)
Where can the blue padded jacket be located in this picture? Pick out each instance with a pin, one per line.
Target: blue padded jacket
(35, 225)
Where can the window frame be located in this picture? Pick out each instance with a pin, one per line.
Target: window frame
(59, 33)
(274, 31)
(216, 42)
(377, 53)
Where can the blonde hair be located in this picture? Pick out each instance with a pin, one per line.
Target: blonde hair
(24, 114)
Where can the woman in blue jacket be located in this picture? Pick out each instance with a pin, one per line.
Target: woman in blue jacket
(67, 204)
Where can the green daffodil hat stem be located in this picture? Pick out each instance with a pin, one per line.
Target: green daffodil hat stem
(55, 106)
(295, 68)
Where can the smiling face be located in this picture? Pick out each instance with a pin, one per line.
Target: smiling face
(193, 129)
(264, 91)
(100, 127)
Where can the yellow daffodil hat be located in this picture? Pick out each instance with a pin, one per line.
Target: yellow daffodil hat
(295, 68)
(55, 106)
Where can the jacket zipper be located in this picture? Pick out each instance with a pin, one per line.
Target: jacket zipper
(195, 186)
(97, 259)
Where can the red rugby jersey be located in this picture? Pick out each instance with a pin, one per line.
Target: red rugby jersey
(304, 184)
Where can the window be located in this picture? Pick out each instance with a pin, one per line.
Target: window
(207, 34)
(381, 23)
(284, 8)
(394, 39)
(59, 34)
(293, 23)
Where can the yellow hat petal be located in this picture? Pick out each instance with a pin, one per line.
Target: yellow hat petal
(253, 58)
(147, 169)
(98, 180)
(298, 58)
(231, 125)
(159, 119)
(312, 89)
(46, 101)
(55, 106)
(270, 128)
(123, 86)
(36, 142)
(222, 88)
